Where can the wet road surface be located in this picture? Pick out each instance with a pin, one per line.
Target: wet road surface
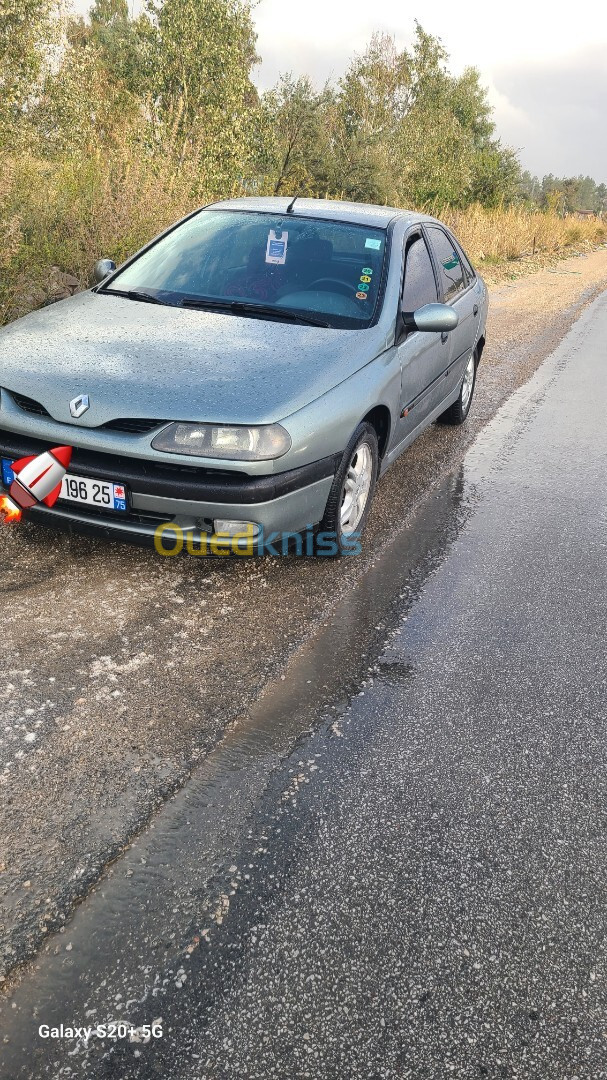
(122, 671)
(418, 889)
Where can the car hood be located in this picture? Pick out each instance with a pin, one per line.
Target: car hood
(145, 360)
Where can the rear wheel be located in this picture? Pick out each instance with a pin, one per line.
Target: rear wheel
(457, 413)
(350, 497)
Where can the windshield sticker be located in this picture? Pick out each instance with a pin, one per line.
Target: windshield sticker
(276, 249)
(364, 284)
(370, 242)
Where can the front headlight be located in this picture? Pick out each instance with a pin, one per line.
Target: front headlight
(236, 442)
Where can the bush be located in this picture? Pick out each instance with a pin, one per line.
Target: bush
(573, 234)
(70, 213)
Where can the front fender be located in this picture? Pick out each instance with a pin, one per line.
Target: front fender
(325, 426)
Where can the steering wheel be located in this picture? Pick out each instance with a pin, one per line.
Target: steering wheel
(342, 287)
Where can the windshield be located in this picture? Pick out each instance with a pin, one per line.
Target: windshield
(328, 269)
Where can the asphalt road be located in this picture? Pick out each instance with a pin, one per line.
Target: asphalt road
(418, 888)
(445, 914)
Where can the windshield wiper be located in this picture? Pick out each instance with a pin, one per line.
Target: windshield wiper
(137, 294)
(269, 309)
(246, 307)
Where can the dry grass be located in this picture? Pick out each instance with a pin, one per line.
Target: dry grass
(71, 213)
(498, 236)
(68, 214)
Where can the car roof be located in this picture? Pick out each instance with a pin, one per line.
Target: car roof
(331, 209)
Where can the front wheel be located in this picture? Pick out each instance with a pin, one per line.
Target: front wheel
(457, 413)
(350, 497)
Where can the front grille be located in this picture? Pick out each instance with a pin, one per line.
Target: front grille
(133, 424)
(29, 405)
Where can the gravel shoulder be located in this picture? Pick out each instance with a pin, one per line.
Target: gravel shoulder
(122, 669)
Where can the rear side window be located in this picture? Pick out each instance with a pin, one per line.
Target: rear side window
(419, 287)
(468, 271)
(449, 264)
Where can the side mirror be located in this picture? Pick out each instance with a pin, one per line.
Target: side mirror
(432, 318)
(103, 268)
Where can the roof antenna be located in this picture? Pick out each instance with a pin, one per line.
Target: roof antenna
(292, 204)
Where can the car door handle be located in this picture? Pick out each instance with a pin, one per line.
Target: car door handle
(475, 309)
(444, 337)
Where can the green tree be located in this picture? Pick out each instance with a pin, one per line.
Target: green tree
(373, 99)
(296, 118)
(28, 28)
(574, 193)
(200, 55)
(468, 102)
(118, 40)
(410, 132)
(448, 151)
(95, 98)
(530, 189)
(495, 176)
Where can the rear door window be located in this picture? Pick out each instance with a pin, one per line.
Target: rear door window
(450, 268)
(468, 271)
(419, 286)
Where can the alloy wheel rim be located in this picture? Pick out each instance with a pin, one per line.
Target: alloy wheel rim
(468, 383)
(357, 486)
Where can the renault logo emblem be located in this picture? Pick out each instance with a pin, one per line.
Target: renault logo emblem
(80, 405)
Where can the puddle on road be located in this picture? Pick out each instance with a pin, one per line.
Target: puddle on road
(135, 923)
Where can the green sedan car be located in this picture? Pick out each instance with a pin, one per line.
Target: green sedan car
(249, 374)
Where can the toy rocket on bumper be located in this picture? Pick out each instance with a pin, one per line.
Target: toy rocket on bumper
(37, 480)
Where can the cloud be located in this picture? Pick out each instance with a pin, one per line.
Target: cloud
(319, 63)
(320, 44)
(554, 113)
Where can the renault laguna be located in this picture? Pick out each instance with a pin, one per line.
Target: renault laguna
(253, 370)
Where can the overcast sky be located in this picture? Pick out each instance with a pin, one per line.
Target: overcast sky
(544, 63)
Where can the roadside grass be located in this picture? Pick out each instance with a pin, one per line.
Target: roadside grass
(68, 214)
(511, 241)
(58, 218)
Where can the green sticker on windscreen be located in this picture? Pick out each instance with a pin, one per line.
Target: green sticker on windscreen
(372, 243)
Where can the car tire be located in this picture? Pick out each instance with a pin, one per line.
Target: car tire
(458, 411)
(357, 477)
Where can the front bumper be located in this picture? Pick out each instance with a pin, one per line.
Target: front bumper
(190, 497)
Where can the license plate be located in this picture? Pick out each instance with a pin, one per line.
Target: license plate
(81, 489)
(101, 493)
